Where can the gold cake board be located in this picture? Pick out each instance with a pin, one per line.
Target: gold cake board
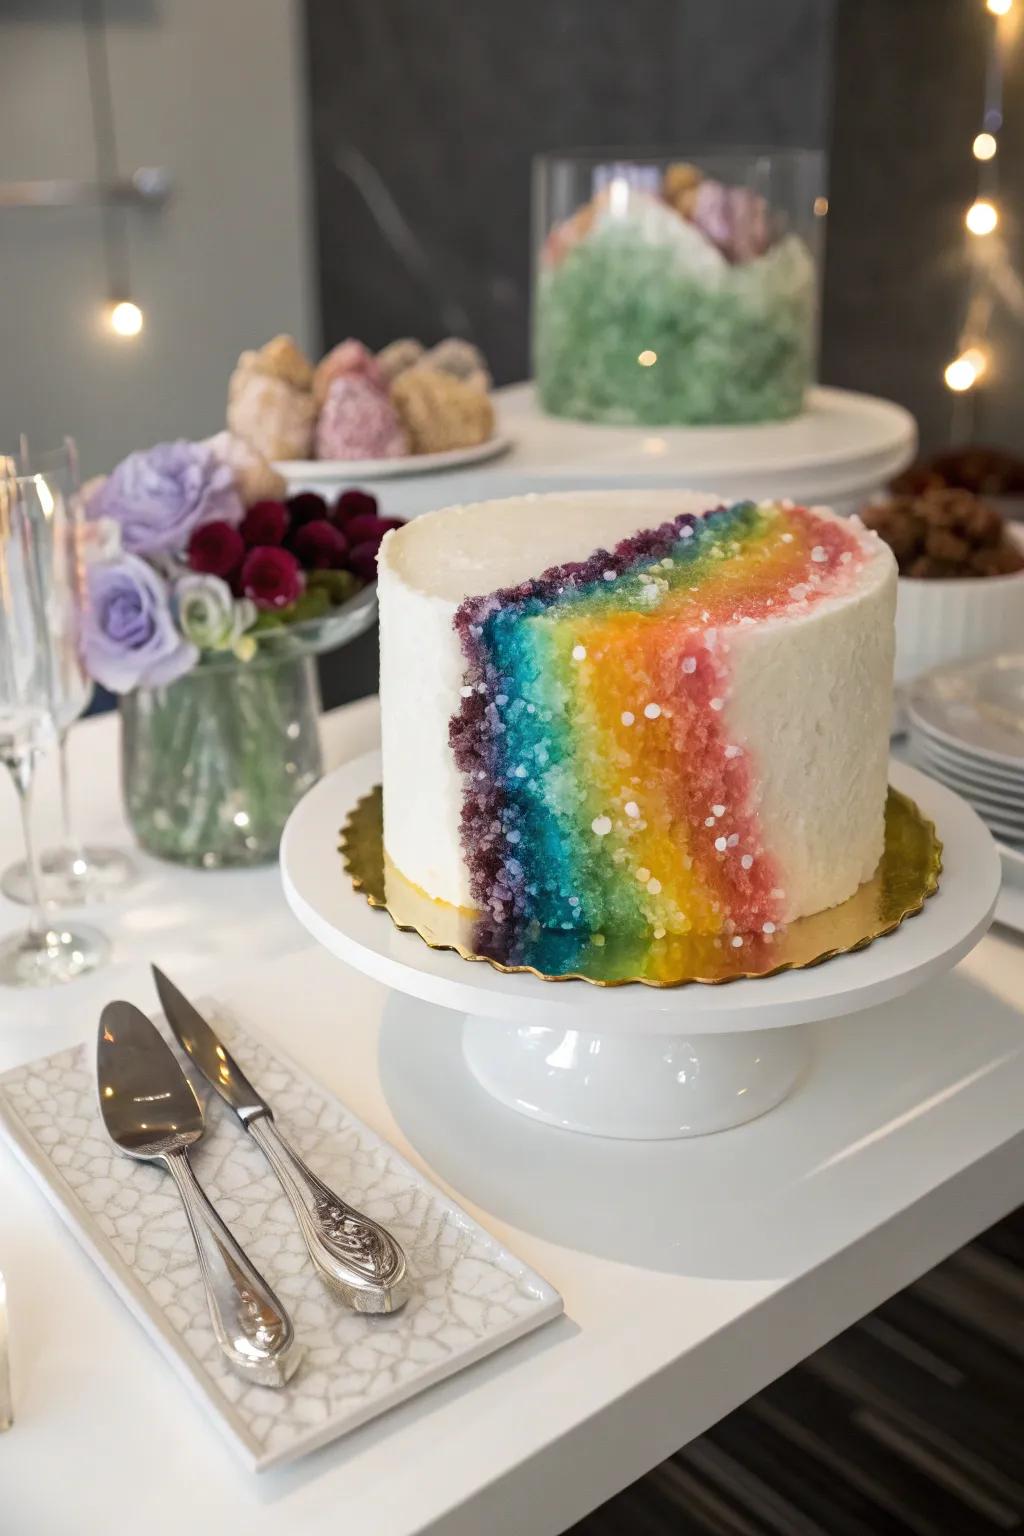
(907, 874)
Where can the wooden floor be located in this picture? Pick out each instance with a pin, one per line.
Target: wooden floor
(909, 1424)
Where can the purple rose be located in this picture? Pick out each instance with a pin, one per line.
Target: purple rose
(129, 638)
(159, 495)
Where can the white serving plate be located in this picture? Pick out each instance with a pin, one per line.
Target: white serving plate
(635, 1061)
(469, 1295)
(993, 796)
(978, 770)
(975, 707)
(299, 472)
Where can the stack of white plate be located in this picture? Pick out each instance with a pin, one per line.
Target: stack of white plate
(966, 726)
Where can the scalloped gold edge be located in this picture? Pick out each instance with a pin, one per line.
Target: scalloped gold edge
(931, 886)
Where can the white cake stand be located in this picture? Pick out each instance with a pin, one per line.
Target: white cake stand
(636, 1061)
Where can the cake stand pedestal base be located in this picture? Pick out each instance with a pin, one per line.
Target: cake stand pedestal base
(638, 1087)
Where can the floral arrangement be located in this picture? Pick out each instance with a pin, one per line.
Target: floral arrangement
(191, 555)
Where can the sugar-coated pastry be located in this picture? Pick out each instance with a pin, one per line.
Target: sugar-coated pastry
(397, 356)
(461, 359)
(273, 416)
(440, 412)
(256, 479)
(283, 359)
(358, 421)
(348, 357)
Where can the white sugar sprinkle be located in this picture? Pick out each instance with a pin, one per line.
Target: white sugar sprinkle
(718, 810)
(732, 751)
(721, 844)
(787, 538)
(747, 861)
(531, 709)
(513, 836)
(717, 703)
(734, 838)
(579, 653)
(709, 821)
(501, 698)
(601, 825)
(845, 557)
(643, 875)
(686, 532)
(800, 591)
(609, 575)
(574, 901)
(652, 711)
(481, 687)
(768, 928)
(689, 664)
(819, 554)
(654, 886)
(737, 942)
(467, 692)
(659, 933)
(631, 808)
(711, 639)
(627, 717)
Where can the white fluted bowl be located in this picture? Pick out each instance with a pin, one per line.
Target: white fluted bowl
(956, 619)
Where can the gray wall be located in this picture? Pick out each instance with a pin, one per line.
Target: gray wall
(426, 116)
(214, 90)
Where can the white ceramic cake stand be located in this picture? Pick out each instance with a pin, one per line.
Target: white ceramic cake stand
(636, 1061)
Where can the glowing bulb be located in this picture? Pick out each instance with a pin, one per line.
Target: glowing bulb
(982, 217)
(820, 207)
(647, 358)
(965, 371)
(985, 146)
(1000, 7)
(125, 318)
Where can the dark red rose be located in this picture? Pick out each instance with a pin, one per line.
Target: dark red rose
(362, 561)
(215, 549)
(306, 507)
(271, 578)
(368, 530)
(320, 547)
(266, 522)
(354, 504)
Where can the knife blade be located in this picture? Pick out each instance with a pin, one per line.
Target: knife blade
(357, 1257)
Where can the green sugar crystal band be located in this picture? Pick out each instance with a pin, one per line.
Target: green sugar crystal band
(731, 347)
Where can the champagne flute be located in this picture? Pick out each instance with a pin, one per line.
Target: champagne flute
(39, 583)
(73, 873)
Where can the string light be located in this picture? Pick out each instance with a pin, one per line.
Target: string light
(964, 371)
(1000, 7)
(985, 146)
(124, 317)
(981, 217)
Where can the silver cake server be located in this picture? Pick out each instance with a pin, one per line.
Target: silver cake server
(151, 1112)
(357, 1257)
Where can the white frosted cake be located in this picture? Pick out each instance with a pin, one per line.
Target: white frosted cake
(645, 712)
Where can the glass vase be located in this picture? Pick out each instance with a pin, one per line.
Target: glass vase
(213, 764)
(676, 287)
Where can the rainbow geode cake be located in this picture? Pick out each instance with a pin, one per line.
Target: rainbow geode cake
(638, 713)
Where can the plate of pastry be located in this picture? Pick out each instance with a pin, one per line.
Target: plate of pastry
(403, 410)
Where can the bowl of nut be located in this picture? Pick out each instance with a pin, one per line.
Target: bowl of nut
(961, 587)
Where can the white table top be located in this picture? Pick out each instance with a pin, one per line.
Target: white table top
(693, 1272)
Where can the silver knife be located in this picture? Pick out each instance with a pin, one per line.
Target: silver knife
(357, 1257)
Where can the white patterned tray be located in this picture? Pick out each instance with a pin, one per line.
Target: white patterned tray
(470, 1296)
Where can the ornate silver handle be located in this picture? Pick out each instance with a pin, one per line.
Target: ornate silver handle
(252, 1327)
(358, 1258)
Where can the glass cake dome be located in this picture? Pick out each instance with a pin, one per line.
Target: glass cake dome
(677, 287)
